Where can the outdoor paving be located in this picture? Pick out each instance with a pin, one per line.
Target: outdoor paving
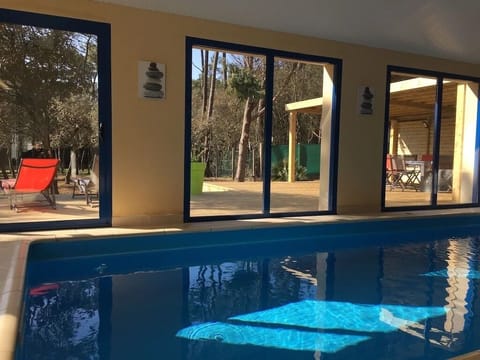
(227, 197)
(32, 207)
(230, 197)
(219, 198)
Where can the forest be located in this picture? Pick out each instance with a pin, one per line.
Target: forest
(48, 94)
(228, 110)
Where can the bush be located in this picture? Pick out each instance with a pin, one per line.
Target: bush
(280, 171)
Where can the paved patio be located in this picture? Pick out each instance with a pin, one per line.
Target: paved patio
(33, 207)
(219, 198)
(230, 197)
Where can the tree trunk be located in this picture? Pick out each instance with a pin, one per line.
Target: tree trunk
(259, 136)
(211, 96)
(225, 70)
(72, 169)
(4, 161)
(204, 82)
(211, 100)
(244, 139)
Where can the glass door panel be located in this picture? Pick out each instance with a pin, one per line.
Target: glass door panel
(456, 163)
(411, 136)
(296, 135)
(228, 93)
(49, 109)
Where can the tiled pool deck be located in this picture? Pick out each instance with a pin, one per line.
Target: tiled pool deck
(14, 251)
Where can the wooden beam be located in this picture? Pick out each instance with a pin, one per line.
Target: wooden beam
(415, 83)
(413, 104)
(411, 84)
(311, 105)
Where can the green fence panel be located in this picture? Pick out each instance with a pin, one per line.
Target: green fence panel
(279, 154)
(307, 155)
(310, 158)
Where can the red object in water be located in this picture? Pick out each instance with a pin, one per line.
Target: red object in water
(43, 289)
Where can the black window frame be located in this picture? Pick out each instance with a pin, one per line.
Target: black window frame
(439, 76)
(103, 33)
(269, 55)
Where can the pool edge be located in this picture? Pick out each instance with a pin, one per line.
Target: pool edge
(12, 277)
(18, 249)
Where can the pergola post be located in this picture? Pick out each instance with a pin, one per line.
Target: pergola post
(310, 106)
(393, 137)
(326, 140)
(292, 141)
(464, 148)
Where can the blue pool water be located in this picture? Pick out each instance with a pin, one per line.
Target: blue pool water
(413, 300)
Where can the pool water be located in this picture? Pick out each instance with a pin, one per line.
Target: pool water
(410, 301)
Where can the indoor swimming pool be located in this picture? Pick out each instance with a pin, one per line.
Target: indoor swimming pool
(415, 298)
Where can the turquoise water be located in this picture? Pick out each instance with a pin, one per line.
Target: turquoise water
(410, 301)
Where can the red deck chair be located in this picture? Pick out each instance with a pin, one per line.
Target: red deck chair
(393, 178)
(34, 176)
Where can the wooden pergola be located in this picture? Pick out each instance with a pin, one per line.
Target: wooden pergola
(311, 106)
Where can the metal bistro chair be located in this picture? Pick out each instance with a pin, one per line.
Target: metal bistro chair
(397, 174)
(405, 177)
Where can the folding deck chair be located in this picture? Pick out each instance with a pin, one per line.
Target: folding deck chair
(87, 185)
(398, 175)
(34, 175)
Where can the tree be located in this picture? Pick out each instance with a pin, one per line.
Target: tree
(228, 107)
(207, 86)
(248, 88)
(76, 119)
(249, 84)
(42, 68)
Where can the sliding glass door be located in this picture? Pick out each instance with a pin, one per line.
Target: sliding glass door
(261, 132)
(301, 121)
(431, 140)
(54, 104)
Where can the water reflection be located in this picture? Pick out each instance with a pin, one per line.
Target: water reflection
(378, 302)
(66, 317)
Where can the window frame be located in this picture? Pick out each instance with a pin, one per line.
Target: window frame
(270, 55)
(103, 33)
(440, 77)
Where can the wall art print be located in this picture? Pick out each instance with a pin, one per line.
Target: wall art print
(151, 80)
(366, 97)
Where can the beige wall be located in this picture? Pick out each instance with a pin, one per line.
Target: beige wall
(148, 136)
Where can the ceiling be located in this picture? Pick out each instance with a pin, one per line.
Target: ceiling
(419, 104)
(440, 28)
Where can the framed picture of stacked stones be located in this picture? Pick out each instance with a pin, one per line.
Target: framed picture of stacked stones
(151, 80)
(365, 100)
